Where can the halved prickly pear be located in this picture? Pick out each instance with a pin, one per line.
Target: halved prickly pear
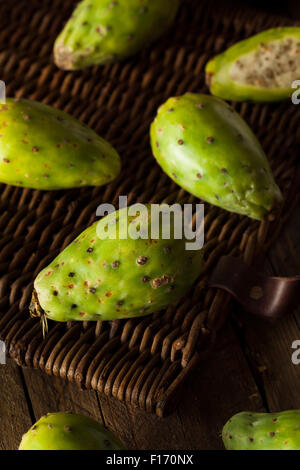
(209, 150)
(44, 148)
(260, 68)
(102, 31)
(263, 431)
(101, 278)
(67, 431)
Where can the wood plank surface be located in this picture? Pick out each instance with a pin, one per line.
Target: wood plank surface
(15, 415)
(267, 346)
(49, 394)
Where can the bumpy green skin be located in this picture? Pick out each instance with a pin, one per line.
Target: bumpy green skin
(263, 431)
(44, 148)
(209, 150)
(103, 31)
(218, 69)
(105, 279)
(66, 431)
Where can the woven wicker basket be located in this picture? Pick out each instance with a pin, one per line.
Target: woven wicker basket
(142, 361)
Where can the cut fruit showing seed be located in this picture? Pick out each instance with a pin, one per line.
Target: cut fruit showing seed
(260, 68)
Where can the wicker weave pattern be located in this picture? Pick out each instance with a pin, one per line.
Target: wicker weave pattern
(142, 361)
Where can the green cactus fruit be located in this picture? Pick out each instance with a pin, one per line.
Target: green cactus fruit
(44, 148)
(103, 31)
(209, 150)
(66, 431)
(263, 431)
(260, 68)
(98, 278)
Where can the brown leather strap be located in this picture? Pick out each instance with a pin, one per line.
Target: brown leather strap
(267, 297)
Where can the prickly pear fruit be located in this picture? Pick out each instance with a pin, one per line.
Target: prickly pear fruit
(66, 431)
(102, 31)
(44, 148)
(260, 68)
(209, 150)
(263, 431)
(98, 278)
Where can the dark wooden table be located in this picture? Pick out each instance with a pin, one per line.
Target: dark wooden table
(250, 369)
